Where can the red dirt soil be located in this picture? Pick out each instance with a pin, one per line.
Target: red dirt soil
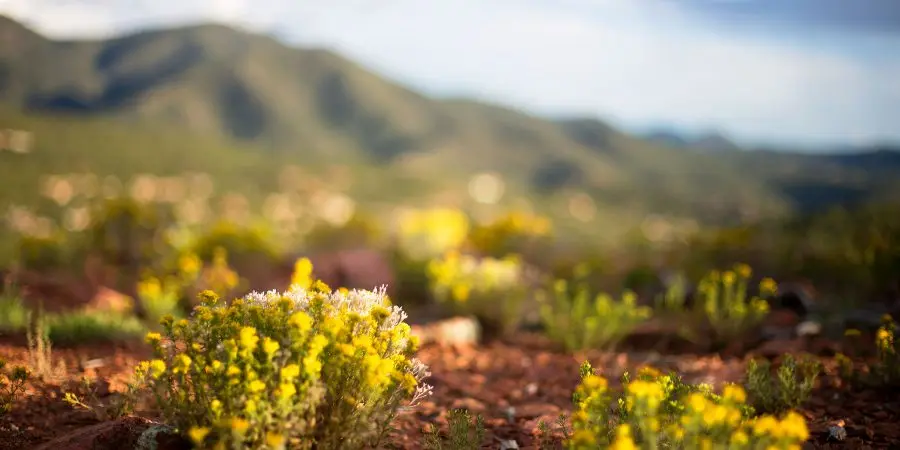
(528, 376)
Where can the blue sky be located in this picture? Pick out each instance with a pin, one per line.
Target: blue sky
(813, 71)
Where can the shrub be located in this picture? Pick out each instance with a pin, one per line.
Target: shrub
(92, 326)
(12, 383)
(238, 241)
(463, 432)
(723, 303)
(307, 368)
(13, 315)
(510, 233)
(885, 371)
(657, 411)
(426, 234)
(493, 290)
(160, 297)
(788, 389)
(578, 323)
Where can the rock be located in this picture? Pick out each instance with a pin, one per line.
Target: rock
(119, 434)
(109, 300)
(457, 331)
(808, 328)
(508, 444)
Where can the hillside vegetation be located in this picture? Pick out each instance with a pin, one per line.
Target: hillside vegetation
(240, 106)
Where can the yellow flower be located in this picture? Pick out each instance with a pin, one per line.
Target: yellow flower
(743, 270)
(734, 393)
(301, 321)
(728, 278)
(157, 367)
(153, 338)
(250, 407)
(594, 383)
(584, 437)
(765, 425)
(198, 434)
(286, 390)
(290, 372)
(239, 426)
(302, 276)
(275, 440)
(623, 438)
(794, 425)
(248, 338)
(270, 346)
(182, 364)
(883, 335)
(768, 286)
(739, 438)
(256, 386)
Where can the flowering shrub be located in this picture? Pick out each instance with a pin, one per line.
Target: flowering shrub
(578, 323)
(426, 234)
(723, 303)
(509, 233)
(789, 389)
(307, 368)
(885, 371)
(492, 290)
(656, 411)
(160, 297)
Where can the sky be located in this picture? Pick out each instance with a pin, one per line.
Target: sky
(811, 72)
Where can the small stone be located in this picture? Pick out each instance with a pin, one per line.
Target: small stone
(837, 433)
(809, 328)
(531, 388)
(508, 444)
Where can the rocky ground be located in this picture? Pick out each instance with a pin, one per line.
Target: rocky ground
(513, 384)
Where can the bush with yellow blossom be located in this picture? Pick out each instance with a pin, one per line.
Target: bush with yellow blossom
(577, 321)
(493, 290)
(510, 233)
(659, 411)
(429, 233)
(885, 370)
(724, 304)
(306, 368)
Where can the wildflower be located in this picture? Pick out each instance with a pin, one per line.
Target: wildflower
(275, 440)
(768, 286)
(794, 425)
(728, 278)
(734, 393)
(270, 346)
(743, 270)
(248, 338)
(290, 372)
(623, 438)
(198, 434)
(256, 386)
(153, 338)
(239, 426)
(157, 367)
(739, 438)
(182, 364)
(301, 321)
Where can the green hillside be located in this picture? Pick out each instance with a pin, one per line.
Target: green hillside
(241, 105)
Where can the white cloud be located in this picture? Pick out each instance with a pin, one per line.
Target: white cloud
(637, 61)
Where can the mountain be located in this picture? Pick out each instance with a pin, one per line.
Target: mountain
(228, 98)
(713, 141)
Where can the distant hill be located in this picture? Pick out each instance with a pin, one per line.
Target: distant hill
(234, 98)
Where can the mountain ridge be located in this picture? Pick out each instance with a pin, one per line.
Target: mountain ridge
(312, 105)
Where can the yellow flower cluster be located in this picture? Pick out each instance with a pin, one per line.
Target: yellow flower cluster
(513, 229)
(427, 233)
(489, 288)
(660, 411)
(578, 321)
(726, 304)
(313, 367)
